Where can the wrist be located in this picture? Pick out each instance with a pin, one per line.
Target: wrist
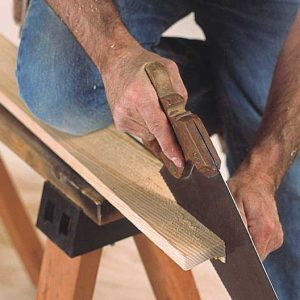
(114, 51)
(267, 163)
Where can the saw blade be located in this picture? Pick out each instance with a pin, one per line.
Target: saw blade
(210, 202)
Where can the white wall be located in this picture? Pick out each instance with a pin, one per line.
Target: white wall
(7, 26)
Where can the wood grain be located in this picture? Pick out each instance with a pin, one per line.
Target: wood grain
(19, 226)
(52, 168)
(167, 279)
(122, 171)
(65, 278)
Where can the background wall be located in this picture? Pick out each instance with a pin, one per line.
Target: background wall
(7, 26)
(121, 274)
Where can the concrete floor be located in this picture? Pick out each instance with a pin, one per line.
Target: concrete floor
(121, 274)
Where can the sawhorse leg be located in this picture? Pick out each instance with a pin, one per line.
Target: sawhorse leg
(64, 278)
(19, 226)
(168, 280)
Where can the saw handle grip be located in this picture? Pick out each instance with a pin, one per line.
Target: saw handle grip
(189, 130)
(171, 167)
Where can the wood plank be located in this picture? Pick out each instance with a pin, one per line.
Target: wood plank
(47, 164)
(167, 279)
(124, 173)
(65, 278)
(19, 227)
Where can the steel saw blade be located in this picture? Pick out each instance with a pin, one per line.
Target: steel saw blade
(210, 201)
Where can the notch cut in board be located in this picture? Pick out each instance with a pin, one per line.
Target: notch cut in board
(125, 173)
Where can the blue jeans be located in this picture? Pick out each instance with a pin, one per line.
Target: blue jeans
(228, 78)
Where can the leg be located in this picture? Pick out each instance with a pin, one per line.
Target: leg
(167, 279)
(19, 226)
(246, 38)
(63, 88)
(58, 82)
(64, 278)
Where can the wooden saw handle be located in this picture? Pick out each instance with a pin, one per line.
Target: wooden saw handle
(189, 130)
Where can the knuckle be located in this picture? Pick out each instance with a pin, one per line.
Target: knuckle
(280, 238)
(121, 115)
(118, 111)
(156, 126)
(280, 242)
(171, 64)
(146, 99)
(120, 128)
(269, 228)
(120, 124)
(131, 93)
(174, 72)
(167, 148)
(185, 94)
(147, 136)
(144, 105)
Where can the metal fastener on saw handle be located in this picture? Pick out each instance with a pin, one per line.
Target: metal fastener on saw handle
(189, 130)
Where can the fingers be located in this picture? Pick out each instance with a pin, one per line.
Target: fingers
(137, 110)
(242, 212)
(158, 125)
(176, 80)
(257, 206)
(150, 123)
(154, 147)
(134, 128)
(259, 240)
(267, 237)
(276, 240)
(156, 128)
(157, 122)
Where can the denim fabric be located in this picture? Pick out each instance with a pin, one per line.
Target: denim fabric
(228, 79)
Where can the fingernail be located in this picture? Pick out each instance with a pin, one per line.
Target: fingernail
(177, 162)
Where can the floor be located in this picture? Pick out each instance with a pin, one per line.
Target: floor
(121, 274)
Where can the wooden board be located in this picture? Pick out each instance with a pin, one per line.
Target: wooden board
(123, 172)
(52, 168)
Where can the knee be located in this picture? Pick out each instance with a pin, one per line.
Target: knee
(57, 102)
(65, 92)
(58, 82)
(274, 14)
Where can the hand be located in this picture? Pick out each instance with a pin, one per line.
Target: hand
(134, 103)
(254, 195)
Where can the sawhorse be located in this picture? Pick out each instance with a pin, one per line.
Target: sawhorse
(57, 275)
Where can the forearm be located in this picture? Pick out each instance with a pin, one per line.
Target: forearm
(278, 139)
(97, 27)
(120, 59)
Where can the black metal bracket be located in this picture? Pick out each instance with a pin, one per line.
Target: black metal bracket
(65, 224)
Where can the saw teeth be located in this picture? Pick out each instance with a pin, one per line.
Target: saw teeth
(162, 171)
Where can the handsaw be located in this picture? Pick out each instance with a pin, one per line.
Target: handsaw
(201, 190)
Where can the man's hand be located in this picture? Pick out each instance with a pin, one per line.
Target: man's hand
(254, 195)
(134, 103)
(121, 60)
